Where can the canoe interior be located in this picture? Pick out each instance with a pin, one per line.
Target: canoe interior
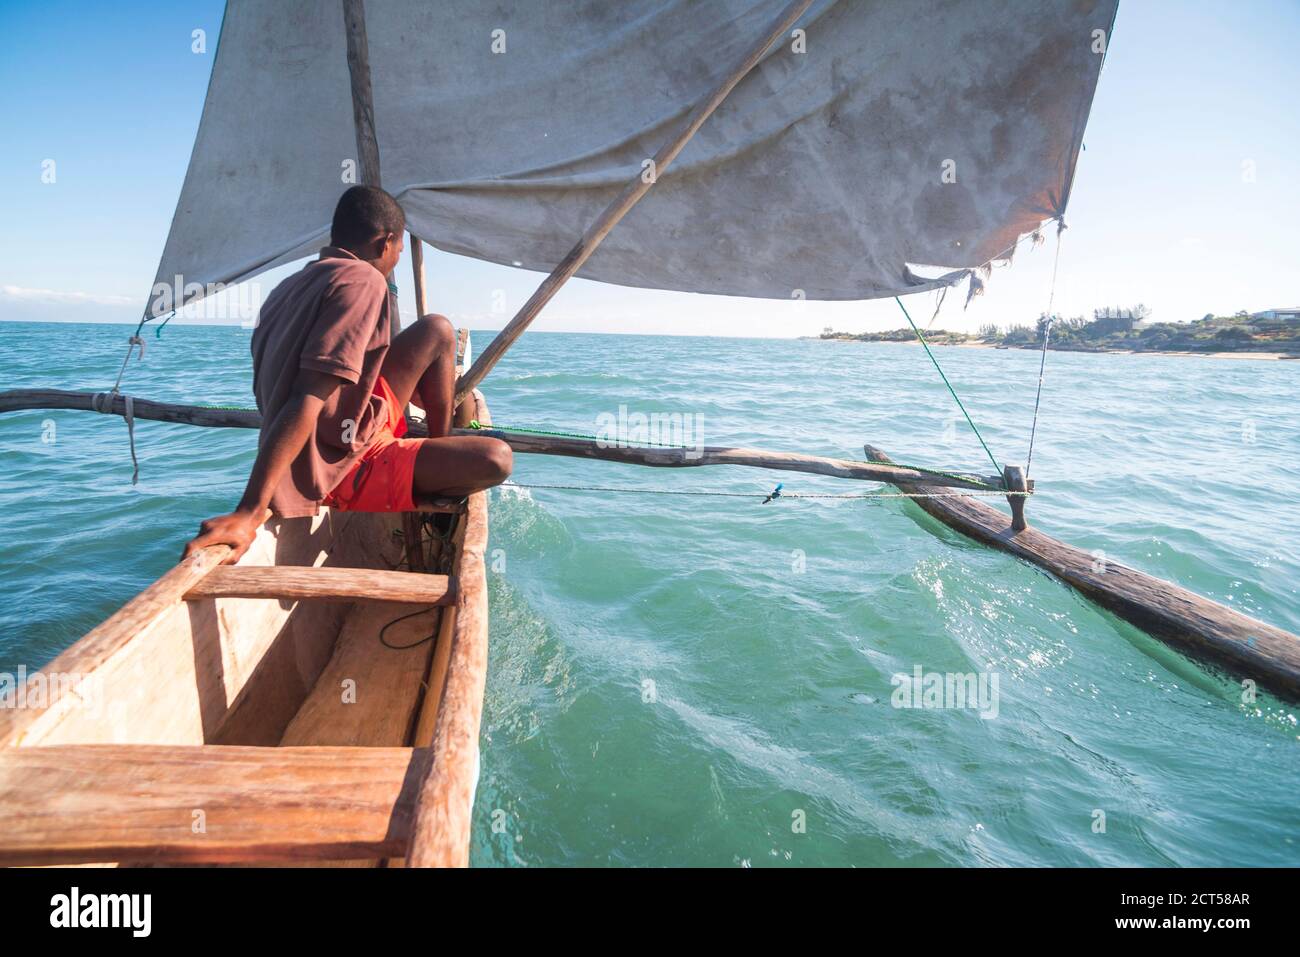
(226, 670)
(218, 703)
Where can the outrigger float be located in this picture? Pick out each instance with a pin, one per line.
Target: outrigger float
(320, 700)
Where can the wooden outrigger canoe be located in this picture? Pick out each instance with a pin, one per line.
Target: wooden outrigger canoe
(289, 708)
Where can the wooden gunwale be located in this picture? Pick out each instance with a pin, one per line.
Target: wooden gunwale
(451, 714)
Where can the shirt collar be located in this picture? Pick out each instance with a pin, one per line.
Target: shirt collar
(338, 252)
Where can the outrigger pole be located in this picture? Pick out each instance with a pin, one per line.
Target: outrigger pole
(616, 210)
(1246, 647)
(18, 400)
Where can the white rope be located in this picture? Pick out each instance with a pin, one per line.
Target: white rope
(130, 344)
(103, 403)
(129, 415)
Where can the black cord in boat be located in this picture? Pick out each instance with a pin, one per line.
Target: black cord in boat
(430, 526)
(415, 644)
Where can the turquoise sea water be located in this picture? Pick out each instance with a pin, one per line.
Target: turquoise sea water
(701, 681)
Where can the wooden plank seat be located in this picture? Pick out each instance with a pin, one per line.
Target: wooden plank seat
(332, 583)
(76, 804)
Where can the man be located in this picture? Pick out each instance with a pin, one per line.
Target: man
(332, 388)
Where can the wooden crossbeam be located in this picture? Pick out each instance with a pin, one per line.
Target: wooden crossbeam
(337, 584)
(76, 804)
(532, 443)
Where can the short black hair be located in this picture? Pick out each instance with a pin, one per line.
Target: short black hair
(363, 213)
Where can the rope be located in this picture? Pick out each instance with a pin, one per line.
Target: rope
(388, 644)
(129, 415)
(475, 424)
(718, 493)
(956, 398)
(136, 340)
(1047, 332)
(103, 402)
(131, 343)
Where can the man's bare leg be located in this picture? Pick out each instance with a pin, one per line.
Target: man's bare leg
(457, 465)
(422, 361)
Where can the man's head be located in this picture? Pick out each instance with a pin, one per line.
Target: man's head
(369, 224)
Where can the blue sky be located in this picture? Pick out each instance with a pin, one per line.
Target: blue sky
(1194, 99)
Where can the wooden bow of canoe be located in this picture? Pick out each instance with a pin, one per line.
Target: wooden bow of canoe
(314, 702)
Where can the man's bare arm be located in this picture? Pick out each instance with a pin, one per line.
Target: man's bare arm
(283, 440)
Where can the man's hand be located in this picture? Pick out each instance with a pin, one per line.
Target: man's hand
(281, 441)
(238, 529)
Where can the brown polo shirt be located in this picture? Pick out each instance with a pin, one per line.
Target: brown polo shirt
(332, 316)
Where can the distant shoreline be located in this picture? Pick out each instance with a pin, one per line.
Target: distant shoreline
(1243, 354)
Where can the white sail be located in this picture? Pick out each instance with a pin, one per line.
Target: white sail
(887, 133)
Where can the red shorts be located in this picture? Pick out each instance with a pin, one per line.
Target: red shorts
(383, 478)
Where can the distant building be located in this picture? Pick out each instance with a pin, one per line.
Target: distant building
(1280, 313)
(1113, 319)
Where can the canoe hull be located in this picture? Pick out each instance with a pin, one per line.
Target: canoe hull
(185, 688)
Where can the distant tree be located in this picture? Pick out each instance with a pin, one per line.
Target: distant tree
(1241, 314)
(1208, 317)
(1040, 328)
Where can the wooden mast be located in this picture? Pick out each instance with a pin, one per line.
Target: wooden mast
(417, 273)
(412, 526)
(617, 209)
(363, 114)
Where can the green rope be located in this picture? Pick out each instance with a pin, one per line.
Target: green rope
(567, 435)
(926, 345)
